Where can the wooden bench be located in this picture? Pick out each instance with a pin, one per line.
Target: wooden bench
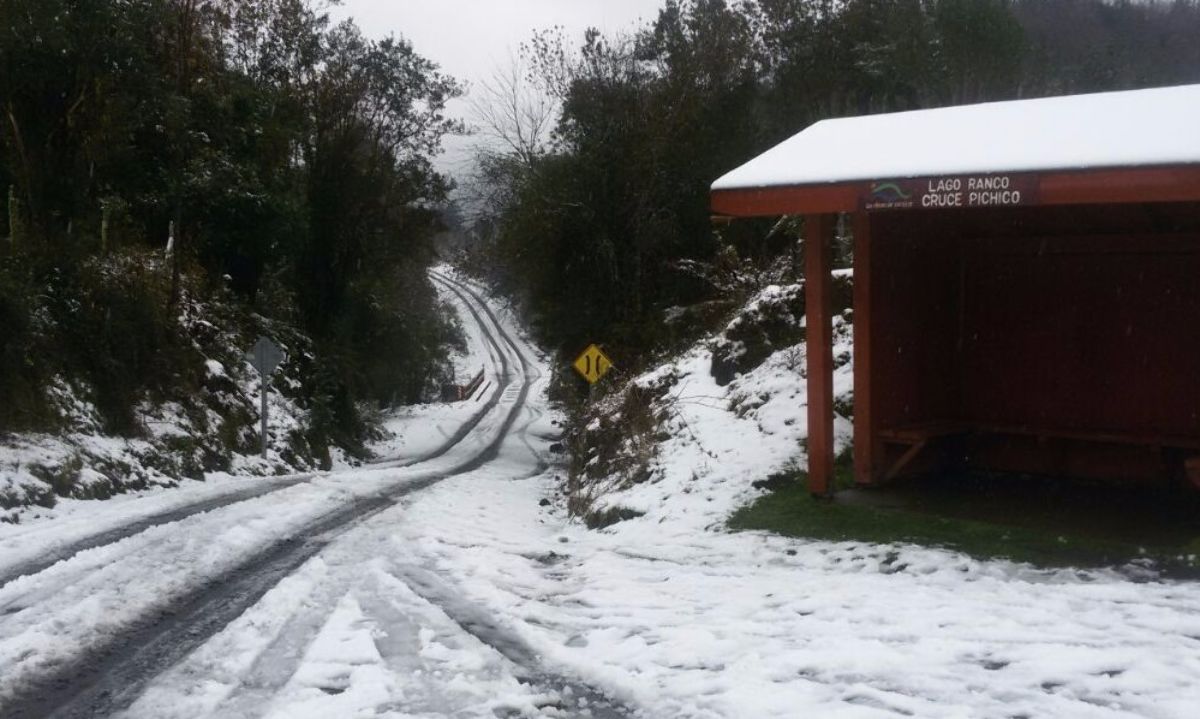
(918, 436)
(1191, 468)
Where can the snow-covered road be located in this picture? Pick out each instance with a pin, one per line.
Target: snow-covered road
(141, 606)
(440, 584)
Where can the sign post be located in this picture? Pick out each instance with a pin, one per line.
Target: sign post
(265, 357)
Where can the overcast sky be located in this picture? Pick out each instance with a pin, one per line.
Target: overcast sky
(468, 38)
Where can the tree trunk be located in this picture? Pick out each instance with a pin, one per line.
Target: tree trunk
(185, 38)
(14, 219)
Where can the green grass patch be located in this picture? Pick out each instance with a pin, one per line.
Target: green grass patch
(790, 510)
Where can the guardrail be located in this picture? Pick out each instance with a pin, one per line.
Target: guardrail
(458, 393)
(472, 386)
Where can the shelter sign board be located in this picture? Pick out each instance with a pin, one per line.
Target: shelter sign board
(940, 193)
(592, 364)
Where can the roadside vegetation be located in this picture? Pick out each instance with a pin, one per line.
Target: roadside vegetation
(180, 176)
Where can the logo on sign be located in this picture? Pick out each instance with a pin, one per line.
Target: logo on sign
(887, 196)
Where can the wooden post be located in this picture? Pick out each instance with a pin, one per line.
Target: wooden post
(864, 410)
(105, 213)
(14, 218)
(818, 299)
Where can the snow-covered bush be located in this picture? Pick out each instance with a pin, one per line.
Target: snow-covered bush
(614, 450)
(676, 440)
(772, 320)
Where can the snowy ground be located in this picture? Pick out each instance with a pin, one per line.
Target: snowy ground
(469, 598)
(673, 615)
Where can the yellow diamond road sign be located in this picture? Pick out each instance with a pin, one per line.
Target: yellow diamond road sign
(593, 364)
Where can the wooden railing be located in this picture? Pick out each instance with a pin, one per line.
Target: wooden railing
(466, 391)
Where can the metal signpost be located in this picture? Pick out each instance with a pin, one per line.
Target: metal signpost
(265, 356)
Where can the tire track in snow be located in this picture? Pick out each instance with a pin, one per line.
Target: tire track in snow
(108, 678)
(278, 661)
(117, 534)
(530, 370)
(476, 621)
(125, 531)
(589, 701)
(274, 668)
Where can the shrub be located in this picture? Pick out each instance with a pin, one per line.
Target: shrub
(22, 372)
(122, 336)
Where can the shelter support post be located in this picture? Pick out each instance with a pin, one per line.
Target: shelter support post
(864, 410)
(818, 231)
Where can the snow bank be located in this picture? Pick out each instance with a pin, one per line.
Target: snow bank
(1112, 129)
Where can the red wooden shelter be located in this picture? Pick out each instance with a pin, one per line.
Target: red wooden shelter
(1026, 283)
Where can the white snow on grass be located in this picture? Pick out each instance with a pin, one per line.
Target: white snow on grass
(724, 438)
(683, 622)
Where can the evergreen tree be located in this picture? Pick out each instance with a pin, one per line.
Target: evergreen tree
(287, 159)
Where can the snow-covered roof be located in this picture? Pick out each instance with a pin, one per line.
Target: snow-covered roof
(1105, 130)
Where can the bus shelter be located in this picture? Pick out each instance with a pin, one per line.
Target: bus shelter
(1026, 283)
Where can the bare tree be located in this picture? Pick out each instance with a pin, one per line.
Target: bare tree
(513, 119)
(512, 115)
